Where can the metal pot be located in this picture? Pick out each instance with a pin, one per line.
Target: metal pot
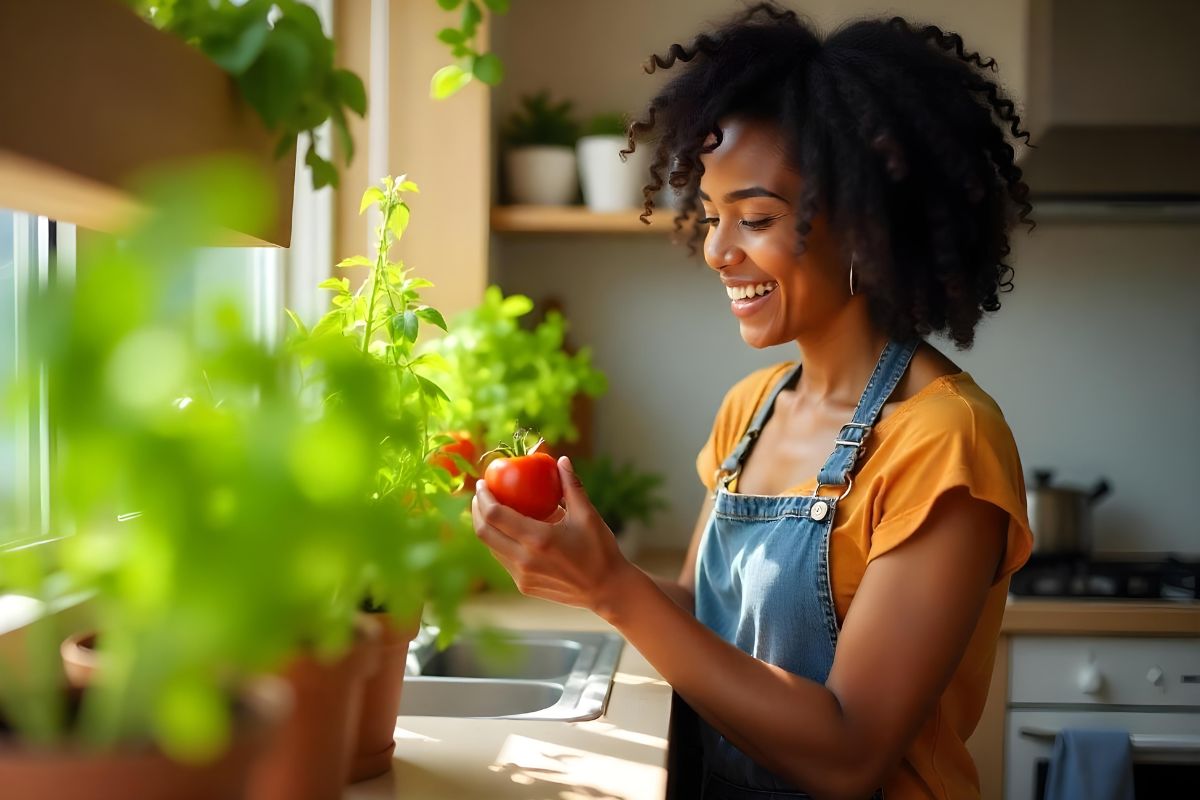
(1061, 516)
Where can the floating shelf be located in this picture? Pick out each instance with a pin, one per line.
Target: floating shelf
(576, 219)
(91, 97)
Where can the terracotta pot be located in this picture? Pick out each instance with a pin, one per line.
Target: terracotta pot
(68, 773)
(79, 658)
(380, 701)
(310, 760)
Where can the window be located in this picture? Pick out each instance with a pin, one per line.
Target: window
(33, 252)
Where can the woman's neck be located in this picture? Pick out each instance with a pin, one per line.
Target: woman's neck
(839, 358)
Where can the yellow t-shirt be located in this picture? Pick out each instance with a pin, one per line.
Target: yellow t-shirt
(950, 434)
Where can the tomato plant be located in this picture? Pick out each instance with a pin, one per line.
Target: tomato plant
(524, 479)
(451, 456)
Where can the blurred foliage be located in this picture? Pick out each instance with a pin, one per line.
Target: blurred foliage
(621, 493)
(501, 376)
(609, 124)
(282, 62)
(539, 121)
(471, 64)
(272, 490)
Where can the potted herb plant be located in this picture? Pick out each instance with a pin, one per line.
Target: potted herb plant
(622, 494)
(611, 181)
(501, 376)
(250, 549)
(539, 140)
(433, 558)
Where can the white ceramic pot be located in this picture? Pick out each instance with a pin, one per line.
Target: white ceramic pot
(610, 184)
(542, 175)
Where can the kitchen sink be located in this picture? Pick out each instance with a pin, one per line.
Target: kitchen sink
(543, 675)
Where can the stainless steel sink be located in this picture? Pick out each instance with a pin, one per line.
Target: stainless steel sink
(543, 675)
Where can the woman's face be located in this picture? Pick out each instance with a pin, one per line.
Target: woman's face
(750, 196)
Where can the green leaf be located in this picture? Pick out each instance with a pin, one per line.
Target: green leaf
(488, 69)
(450, 36)
(337, 284)
(447, 81)
(323, 172)
(351, 91)
(276, 80)
(398, 222)
(471, 17)
(408, 186)
(286, 143)
(432, 316)
(295, 318)
(448, 5)
(415, 283)
(372, 195)
(356, 261)
(237, 53)
(498, 6)
(516, 305)
(411, 325)
(431, 389)
(329, 323)
(433, 361)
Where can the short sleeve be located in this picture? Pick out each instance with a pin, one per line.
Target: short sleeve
(954, 442)
(733, 417)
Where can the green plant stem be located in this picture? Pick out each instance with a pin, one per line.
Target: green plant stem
(380, 257)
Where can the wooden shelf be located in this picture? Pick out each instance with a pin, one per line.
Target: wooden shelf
(91, 97)
(576, 219)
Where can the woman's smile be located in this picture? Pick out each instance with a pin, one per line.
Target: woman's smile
(747, 299)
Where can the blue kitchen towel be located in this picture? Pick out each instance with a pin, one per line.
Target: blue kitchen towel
(1091, 765)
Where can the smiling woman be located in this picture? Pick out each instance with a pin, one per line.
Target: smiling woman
(835, 624)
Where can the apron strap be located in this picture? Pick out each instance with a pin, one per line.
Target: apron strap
(732, 464)
(848, 446)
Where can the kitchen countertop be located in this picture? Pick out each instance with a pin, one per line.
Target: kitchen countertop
(1077, 617)
(623, 754)
(620, 755)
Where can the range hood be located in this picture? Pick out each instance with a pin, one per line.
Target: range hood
(1113, 106)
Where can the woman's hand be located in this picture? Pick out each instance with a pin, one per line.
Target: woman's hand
(571, 558)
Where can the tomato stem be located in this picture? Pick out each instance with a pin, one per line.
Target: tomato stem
(518, 448)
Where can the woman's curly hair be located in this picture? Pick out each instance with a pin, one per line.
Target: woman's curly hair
(900, 136)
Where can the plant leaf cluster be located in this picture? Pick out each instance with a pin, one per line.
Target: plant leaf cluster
(461, 39)
(502, 376)
(541, 121)
(621, 493)
(282, 62)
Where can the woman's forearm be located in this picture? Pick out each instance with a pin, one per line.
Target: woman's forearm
(682, 595)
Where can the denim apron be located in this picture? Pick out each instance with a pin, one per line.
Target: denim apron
(762, 576)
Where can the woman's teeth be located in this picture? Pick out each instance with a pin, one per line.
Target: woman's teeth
(748, 290)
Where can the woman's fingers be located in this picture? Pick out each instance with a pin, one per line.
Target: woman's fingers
(506, 548)
(512, 523)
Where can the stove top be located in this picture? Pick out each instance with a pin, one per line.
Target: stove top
(1166, 578)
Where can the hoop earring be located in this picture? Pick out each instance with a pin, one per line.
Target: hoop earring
(852, 290)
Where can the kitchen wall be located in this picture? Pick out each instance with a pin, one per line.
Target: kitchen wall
(1095, 357)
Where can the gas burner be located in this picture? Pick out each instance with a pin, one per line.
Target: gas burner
(1165, 577)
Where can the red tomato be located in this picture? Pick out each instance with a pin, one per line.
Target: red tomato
(461, 446)
(528, 484)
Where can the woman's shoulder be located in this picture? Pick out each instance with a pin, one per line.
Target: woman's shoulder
(951, 406)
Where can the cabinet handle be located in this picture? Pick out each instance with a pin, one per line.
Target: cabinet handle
(1159, 743)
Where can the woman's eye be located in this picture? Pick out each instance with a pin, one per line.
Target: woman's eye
(756, 224)
(750, 224)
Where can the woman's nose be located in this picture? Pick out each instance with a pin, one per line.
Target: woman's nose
(719, 252)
